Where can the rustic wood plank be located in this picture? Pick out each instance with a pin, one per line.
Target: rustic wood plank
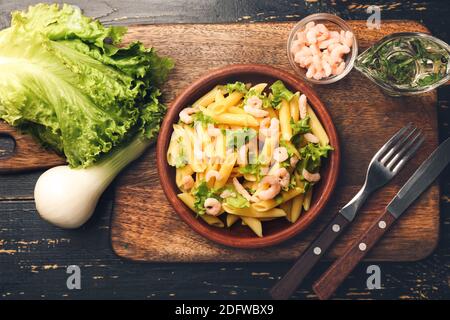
(116, 278)
(34, 257)
(144, 226)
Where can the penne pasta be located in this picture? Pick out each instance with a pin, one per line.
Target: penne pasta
(243, 120)
(254, 224)
(188, 200)
(225, 170)
(317, 128)
(307, 200)
(286, 207)
(285, 120)
(251, 212)
(293, 107)
(231, 219)
(208, 98)
(272, 203)
(211, 220)
(296, 208)
(236, 110)
(182, 172)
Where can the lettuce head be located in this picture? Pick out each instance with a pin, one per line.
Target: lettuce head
(65, 79)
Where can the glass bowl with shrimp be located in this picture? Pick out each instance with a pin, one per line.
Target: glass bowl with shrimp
(322, 48)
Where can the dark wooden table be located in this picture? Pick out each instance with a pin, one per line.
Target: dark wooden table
(34, 255)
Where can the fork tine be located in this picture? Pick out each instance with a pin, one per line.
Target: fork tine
(397, 145)
(405, 148)
(392, 141)
(408, 155)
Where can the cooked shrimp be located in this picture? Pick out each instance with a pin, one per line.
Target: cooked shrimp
(212, 174)
(213, 132)
(185, 115)
(339, 69)
(310, 25)
(311, 138)
(311, 177)
(283, 177)
(311, 35)
(280, 154)
(242, 154)
(326, 68)
(348, 39)
(187, 182)
(302, 106)
(258, 113)
(273, 189)
(264, 170)
(240, 188)
(253, 106)
(322, 31)
(227, 193)
(339, 51)
(311, 71)
(264, 128)
(326, 43)
(212, 206)
(254, 102)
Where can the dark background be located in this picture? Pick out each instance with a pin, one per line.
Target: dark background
(34, 255)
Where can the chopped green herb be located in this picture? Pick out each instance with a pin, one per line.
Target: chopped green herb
(279, 92)
(237, 86)
(300, 127)
(201, 193)
(202, 118)
(253, 169)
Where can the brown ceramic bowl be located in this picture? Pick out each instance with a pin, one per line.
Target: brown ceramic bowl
(274, 231)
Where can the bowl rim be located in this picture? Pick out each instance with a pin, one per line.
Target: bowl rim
(186, 214)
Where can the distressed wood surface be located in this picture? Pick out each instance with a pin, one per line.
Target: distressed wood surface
(144, 225)
(34, 255)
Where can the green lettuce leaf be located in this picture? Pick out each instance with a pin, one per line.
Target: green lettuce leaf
(237, 86)
(300, 127)
(201, 193)
(311, 155)
(279, 92)
(238, 201)
(253, 169)
(63, 79)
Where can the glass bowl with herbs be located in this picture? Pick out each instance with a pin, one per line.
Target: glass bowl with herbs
(406, 63)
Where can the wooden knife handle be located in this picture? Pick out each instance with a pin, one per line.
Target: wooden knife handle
(27, 153)
(289, 283)
(341, 268)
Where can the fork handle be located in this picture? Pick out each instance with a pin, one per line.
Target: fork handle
(341, 268)
(289, 283)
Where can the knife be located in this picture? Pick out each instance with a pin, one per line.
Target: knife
(413, 188)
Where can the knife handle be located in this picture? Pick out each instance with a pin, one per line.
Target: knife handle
(341, 268)
(289, 283)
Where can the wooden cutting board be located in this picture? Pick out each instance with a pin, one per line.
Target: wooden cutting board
(144, 227)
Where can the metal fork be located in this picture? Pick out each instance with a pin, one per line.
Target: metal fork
(385, 164)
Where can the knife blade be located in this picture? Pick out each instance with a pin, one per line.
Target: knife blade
(427, 172)
(421, 179)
